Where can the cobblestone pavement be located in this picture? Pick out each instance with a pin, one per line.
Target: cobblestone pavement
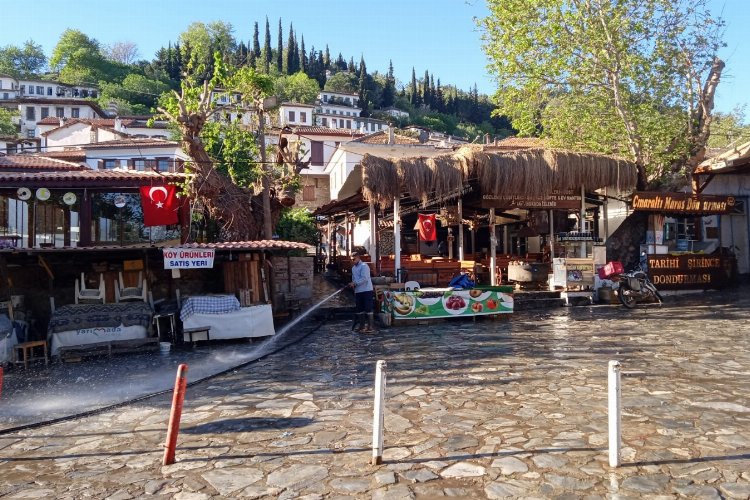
(507, 408)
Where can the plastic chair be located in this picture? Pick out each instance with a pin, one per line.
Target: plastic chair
(410, 286)
(89, 294)
(131, 293)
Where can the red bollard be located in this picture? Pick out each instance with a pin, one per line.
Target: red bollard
(174, 416)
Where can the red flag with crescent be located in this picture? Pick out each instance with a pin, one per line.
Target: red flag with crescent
(427, 228)
(159, 205)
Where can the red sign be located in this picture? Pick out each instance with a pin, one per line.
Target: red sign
(159, 205)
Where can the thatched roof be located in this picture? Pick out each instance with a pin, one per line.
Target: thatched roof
(532, 172)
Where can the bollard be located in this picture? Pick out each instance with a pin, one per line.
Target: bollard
(174, 416)
(1, 381)
(377, 418)
(614, 410)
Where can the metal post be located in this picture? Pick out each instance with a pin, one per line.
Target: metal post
(614, 409)
(460, 229)
(378, 416)
(397, 239)
(174, 416)
(551, 234)
(493, 249)
(606, 215)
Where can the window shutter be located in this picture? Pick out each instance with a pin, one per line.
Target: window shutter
(100, 164)
(131, 164)
(308, 193)
(118, 164)
(316, 153)
(150, 164)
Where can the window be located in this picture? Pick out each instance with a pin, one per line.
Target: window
(347, 100)
(60, 112)
(325, 97)
(75, 112)
(302, 117)
(23, 89)
(11, 148)
(316, 154)
(139, 164)
(348, 124)
(40, 90)
(49, 90)
(162, 164)
(291, 116)
(45, 113)
(93, 94)
(308, 193)
(324, 121)
(5, 95)
(30, 133)
(30, 113)
(110, 164)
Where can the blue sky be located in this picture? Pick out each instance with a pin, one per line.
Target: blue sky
(438, 35)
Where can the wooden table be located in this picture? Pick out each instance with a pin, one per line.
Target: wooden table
(27, 349)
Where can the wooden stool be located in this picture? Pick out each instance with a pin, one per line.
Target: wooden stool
(198, 329)
(27, 349)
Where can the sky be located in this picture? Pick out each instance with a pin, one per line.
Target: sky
(435, 35)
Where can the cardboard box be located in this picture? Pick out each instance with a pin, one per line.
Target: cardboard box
(610, 269)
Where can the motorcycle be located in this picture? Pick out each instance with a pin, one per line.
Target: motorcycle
(635, 286)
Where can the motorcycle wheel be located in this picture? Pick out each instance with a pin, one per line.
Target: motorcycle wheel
(658, 296)
(626, 300)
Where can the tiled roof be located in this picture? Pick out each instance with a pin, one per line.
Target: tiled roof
(382, 138)
(132, 142)
(86, 177)
(72, 155)
(34, 162)
(258, 245)
(251, 245)
(340, 132)
(52, 102)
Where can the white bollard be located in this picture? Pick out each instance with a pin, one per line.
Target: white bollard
(378, 418)
(614, 411)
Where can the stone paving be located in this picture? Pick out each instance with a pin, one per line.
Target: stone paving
(492, 409)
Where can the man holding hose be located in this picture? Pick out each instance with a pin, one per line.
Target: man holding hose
(363, 295)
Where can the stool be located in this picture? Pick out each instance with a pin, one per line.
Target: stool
(197, 329)
(27, 349)
(172, 327)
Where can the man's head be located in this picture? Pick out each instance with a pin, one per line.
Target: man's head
(356, 257)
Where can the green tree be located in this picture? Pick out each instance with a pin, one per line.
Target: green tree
(6, 122)
(729, 129)
(343, 82)
(135, 89)
(389, 88)
(254, 53)
(267, 55)
(22, 61)
(280, 50)
(630, 77)
(297, 224)
(79, 60)
(413, 92)
(298, 88)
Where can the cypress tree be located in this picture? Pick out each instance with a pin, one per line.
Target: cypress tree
(321, 74)
(340, 64)
(255, 52)
(280, 50)
(433, 97)
(363, 93)
(352, 67)
(439, 98)
(426, 89)
(414, 95)
(326, 59)
(389, 89)
(267, 49)
(289, 59)
(303, 56)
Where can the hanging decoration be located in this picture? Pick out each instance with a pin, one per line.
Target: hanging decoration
(23, 194)
(159, 205)
(69, 198)
(42, 194)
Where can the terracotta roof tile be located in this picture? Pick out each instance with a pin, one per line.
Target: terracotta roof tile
(382, 138)
(86, 177)
(34, 162)
(251, 245)
(341, 132)
(132, 142)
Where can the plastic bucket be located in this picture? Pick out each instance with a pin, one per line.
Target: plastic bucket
(165, 347)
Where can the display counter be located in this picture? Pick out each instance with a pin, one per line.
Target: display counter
(430, 303)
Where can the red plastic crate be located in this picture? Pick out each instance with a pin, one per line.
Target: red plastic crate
(610, 269)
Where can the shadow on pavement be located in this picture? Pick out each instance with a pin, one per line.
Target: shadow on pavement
(247, 424)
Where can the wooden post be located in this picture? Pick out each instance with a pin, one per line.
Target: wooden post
(66, 226)
(460, 229)
(84, 220)
(606, 215)
(373, 236)
(493, 249)
(582, 223)
(184, 217)
(551, 234)
(397, 239)
(32, 223)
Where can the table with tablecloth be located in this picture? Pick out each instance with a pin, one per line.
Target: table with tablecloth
(8, 339)
(226, 319)
(80, 324)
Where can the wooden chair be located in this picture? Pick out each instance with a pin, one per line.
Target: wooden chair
(131, 293)
(89, 294)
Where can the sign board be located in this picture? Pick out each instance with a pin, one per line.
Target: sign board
(188, 258)
(682, 203)
(555, 200)
(689, 271)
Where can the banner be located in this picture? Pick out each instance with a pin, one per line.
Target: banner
(426, 227)
(445, 303)
(188, 258)
(159, 205)
(682, 203)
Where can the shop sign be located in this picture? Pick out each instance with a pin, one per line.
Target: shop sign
(682, 203)
(188, 258)
(689, 271)
(566, 199)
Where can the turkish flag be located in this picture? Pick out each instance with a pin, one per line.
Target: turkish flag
(159, 205)
(426, 227)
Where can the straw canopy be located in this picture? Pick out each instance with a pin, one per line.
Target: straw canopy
(531, 172)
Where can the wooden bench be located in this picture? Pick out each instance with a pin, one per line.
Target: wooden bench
(198, 329)
(78, 352)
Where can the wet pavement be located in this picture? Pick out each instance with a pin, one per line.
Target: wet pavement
(492, 409)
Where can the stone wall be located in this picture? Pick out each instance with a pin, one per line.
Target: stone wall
(292, 276)
(320, 187)
(624, 244)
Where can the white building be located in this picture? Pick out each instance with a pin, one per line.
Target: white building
(13, 144)
(340, 110)
(58, 133)
(139, 154)
(292, 114)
